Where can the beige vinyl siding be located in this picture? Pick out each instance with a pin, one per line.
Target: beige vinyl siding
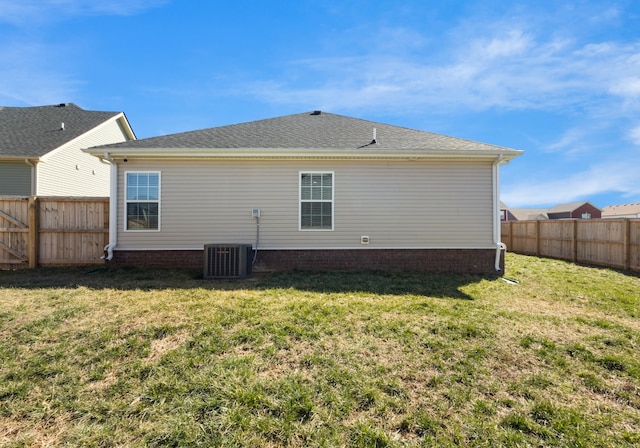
(69, 171)
(397, 204)
(15, 178)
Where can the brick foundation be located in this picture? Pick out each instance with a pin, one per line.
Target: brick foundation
(464, 261)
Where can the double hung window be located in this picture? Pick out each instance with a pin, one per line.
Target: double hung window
(316, 200)
(142, 200)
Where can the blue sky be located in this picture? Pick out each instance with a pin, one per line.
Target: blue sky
(560, 80)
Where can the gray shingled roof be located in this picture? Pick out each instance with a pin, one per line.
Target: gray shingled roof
(308, 131)
(35, 131)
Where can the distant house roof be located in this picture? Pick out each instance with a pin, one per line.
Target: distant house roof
(529, 214)
(562, 208)
(35, 131)
(306, 131)
(621, 210)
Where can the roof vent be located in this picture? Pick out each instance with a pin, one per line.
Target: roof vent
(62, 126)
(316, 112)
(62, 105)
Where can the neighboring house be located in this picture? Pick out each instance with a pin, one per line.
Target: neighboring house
(621, 211)
(528, 214)
(41, 150)
(505, 213)
(575, 210)
(308, 191)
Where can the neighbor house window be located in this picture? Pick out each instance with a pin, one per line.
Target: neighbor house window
(142, 201)
(316, 201)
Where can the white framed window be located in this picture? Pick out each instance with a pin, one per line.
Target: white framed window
(316, 200)
(142, 201)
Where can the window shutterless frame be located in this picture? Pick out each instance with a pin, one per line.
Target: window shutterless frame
(142, 201)
(316, 200)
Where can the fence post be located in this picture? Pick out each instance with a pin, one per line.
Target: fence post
(538, 238)
(574, 242)
(627, 244)
(34, 231)
(510, 234)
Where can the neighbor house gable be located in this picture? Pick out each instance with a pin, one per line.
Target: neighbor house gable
(575, 210)
(42, 148)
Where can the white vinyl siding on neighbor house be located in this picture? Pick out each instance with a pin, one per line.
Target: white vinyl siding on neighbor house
(396, 203)
(68, 171)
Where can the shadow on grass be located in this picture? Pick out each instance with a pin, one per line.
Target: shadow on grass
(132, 278)
(374, 282)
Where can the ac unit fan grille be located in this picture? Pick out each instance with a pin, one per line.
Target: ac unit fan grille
(227, 261)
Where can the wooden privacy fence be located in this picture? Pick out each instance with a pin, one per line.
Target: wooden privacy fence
(41, 231)
(603, 242)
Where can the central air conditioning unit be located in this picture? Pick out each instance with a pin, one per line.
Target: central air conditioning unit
(227, 261)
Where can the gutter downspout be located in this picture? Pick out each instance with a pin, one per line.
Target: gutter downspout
(496, 209)
(113, 207)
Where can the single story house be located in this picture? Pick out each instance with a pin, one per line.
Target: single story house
(621, 211)
(309, 191)
(575, 210)
(41, 150)
(527, 214)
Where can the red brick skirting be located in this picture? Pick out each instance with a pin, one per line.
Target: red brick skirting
(466, 261)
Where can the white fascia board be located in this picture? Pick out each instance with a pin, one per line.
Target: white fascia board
(90, 131)
(321, 153)
(121, 117)
(23, 159)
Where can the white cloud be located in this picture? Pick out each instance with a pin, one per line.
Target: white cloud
(634, 135)
(507, 64)
(511, 71)
(28, 12)
(28, 79)
(619, 176)
(626, 87)
(569, 140)
(511, 44)
(30, 64)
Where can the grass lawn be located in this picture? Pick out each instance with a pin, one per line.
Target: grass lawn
(133, 357)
